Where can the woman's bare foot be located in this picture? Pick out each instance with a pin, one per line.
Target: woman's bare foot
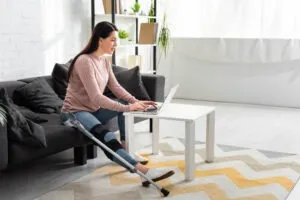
(154, 174)
(141, 168)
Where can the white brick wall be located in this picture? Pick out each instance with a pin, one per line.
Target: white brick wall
(34, 34)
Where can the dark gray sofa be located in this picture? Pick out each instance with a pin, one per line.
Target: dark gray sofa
(59, 137)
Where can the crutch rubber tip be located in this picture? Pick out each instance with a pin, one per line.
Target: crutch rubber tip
(164, 192)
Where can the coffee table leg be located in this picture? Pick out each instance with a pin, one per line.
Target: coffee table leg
(129, 133)
(210, 137)
(189, 150)
(155, 136)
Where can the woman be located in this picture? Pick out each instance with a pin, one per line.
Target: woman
(89, 73)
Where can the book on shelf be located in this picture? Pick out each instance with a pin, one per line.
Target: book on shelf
(148, 33)
(107, 6)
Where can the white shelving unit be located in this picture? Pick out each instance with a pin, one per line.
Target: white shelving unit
(134, 20)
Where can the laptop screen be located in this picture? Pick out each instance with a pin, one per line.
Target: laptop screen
(170, 96)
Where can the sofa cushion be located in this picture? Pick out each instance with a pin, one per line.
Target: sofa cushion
(29, 114)
(47, 78)
(117, 69)
(38, 96)
(60, 78)
(10, 86)
(52, 119)
(19, 129)
(131, 80)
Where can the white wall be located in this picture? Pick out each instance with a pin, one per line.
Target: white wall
(34, 34)
(251, 71)
(232, 18)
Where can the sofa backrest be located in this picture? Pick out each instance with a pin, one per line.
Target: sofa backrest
(47, 78)
(11, 86)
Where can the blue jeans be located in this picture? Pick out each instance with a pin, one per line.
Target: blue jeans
(91, 119)
(101, 116)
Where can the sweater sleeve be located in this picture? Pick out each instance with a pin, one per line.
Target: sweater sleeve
(116, 88)
(86, 73)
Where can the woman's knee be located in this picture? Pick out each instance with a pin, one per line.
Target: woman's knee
(87, 119)
(109, 136)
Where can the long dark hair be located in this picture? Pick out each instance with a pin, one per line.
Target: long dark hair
(101, 30)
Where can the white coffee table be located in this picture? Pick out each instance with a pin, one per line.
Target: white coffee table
(179, 112)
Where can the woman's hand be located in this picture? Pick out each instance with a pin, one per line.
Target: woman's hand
(149, 103)
(137, 106)
(142, 105)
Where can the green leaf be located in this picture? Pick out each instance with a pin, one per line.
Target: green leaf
(164, 40)
(136, 7)
(151, 13)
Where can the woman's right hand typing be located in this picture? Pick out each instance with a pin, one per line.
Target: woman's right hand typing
(137, 106)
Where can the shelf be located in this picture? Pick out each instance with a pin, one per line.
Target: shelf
(125, 16)
(135, 45)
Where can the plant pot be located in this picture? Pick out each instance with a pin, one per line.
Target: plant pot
(123, 41)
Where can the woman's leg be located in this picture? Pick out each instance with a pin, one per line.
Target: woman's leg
(109, 139)
(104, 115)
(92, 124)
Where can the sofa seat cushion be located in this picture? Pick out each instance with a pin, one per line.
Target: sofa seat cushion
(58, 137)
(52, 119)
(29, 114)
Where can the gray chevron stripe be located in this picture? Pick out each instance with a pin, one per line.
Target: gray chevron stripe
(166, 149)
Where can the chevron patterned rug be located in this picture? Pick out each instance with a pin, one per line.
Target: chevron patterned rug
(236, 174)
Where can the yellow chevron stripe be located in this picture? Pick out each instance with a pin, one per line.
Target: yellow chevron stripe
(251, 161)
(118, 177)
(231, 173)
(211, 190)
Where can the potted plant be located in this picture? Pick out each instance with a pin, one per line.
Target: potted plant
(136, 8)
(164, 38)
(151, 13)
(123, 35)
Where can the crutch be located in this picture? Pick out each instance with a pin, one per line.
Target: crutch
(75, 123)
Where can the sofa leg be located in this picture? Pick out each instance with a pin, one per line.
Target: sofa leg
(80, 155)
(91, 151)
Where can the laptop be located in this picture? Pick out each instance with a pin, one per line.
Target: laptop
(154, 111)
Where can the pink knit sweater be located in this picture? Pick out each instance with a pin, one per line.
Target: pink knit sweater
(85, 90)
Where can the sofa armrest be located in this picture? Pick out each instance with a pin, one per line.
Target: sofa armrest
(3, 147)
(155, 86)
